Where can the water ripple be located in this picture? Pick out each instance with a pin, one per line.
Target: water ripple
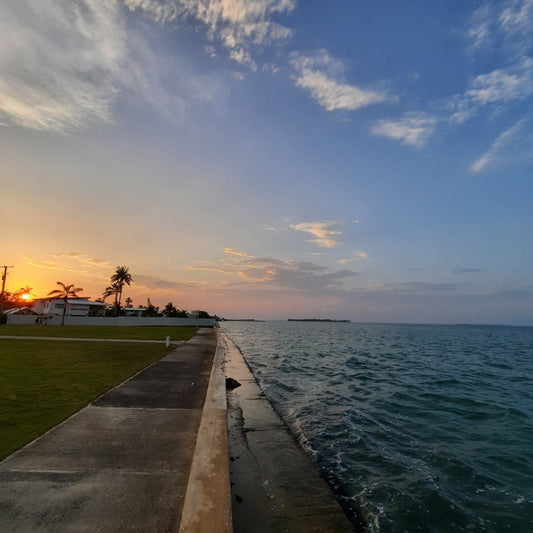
(417, 428)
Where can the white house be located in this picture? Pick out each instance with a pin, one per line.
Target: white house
(75, 306)
(133, 311)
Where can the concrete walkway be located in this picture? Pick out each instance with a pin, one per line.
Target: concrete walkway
(124, 462)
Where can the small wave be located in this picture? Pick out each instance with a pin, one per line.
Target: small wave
(419, 427)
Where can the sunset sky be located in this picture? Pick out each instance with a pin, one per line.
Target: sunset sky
(369, 160)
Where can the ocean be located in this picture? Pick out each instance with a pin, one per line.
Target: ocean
(415, 427)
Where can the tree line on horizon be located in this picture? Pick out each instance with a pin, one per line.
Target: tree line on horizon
(119, 278)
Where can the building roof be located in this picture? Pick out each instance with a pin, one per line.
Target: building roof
(17, 310)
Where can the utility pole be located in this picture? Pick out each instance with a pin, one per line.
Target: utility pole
(4, 276)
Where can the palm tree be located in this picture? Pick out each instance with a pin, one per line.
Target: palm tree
(113, 289)
(120, 278)
(65, 292)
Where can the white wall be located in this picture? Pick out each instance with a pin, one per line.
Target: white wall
(114, 321)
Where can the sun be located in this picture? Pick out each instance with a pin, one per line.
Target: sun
(26, 297)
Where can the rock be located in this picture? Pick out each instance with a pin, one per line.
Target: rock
(232, 383)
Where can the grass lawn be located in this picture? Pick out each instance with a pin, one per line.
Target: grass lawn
(43, 383)
(176, 333)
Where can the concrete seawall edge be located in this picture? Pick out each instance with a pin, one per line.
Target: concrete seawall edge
(207, 505)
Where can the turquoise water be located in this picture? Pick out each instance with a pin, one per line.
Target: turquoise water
(415, 427)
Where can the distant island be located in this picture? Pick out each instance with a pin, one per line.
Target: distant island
(315, 320)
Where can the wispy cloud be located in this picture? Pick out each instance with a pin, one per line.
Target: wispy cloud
(480, 28)
(79, 262)
(157, 10)
(83, 257)
(505, 28)
(60, 62)
(414, 129)
(359, 256)
(507, 23)
(323, 77)
(494, 153)
(503, 85)
(412, 288)
(69, 254)
(64, 64)
(237, 24)
(269, 272)
(156, 283)
(466, 270)
(50, 265)
(326, 232)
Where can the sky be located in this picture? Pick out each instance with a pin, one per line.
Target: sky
(369, 160)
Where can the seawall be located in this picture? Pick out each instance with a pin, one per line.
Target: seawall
(275, 486)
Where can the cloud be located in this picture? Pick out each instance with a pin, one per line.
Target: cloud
(60, 62)
(156, 283)
(503, 85)
(237, 24)
(322, 77)
(325, 232)
(358, 257)
(480, 28)
(269, 272)
(504, 28)
(414, 129)
(507, 23)
(503, 141)
(64, 64)
(413, 288)
(496, 88)
(155, 9)
(49, 265)
(231, 251)
(517, 17)
(69, 254)
(465, 270)
(82, 256)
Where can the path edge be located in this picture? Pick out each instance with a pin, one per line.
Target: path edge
(207, 505)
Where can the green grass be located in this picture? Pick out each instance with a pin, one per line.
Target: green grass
(102, 332)
(43, 383)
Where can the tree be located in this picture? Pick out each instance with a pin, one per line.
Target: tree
(170, 311)
(151, 311)
(129, 302)
(21, 296)
(120, 278)
(65, 292)
(113, 289)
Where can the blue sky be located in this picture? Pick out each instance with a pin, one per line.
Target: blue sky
(370, 160)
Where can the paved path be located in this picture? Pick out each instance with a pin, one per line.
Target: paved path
(120, 464)
(29, 337)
